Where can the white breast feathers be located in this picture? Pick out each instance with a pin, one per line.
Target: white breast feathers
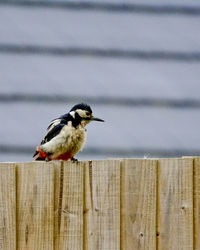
(69, 140)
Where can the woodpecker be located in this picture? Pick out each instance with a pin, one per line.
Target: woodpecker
(66, 135)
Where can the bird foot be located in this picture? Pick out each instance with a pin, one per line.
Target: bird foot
(46, 159)
(74, 159)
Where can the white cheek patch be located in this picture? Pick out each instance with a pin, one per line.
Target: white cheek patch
(82, 113)
(72, 113)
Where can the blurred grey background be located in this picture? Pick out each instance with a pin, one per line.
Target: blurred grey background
(137, 63)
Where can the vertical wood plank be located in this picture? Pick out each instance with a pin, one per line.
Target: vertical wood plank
(87, 206)
(102, 205)
(58, 193)
(7, 207)
(197, 204)
(69, 234)
(175, 204)
(138, 204)
(35, 204)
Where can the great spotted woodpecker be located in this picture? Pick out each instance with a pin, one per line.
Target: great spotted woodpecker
(66, 135)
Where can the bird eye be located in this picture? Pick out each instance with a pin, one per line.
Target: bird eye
(87, 113)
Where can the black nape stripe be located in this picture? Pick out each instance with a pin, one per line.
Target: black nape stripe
(77, 120)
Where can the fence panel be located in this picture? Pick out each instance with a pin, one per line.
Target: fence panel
(35, 206)
(138, 204)
(175, 204)
(114, 204)
(70, 207)
(7, 207)
(197, 204)
(103, 193)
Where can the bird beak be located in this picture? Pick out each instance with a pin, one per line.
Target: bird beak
(96, 119)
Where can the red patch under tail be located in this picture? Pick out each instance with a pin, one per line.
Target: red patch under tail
(39, 154)
(66, 156)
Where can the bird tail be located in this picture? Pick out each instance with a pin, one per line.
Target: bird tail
(39, 155)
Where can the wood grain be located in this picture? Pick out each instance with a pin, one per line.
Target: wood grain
(197, 204)
(70, 215)
(7, 207)
(103, 205)
(138, 204)
(175, 204)
(112, 204)
(35, 205)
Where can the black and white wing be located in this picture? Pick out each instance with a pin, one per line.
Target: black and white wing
(54, 131)
(61, 119)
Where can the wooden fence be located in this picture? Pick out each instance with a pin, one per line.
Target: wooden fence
(126, 204)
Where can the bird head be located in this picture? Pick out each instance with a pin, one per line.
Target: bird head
(83, 113)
